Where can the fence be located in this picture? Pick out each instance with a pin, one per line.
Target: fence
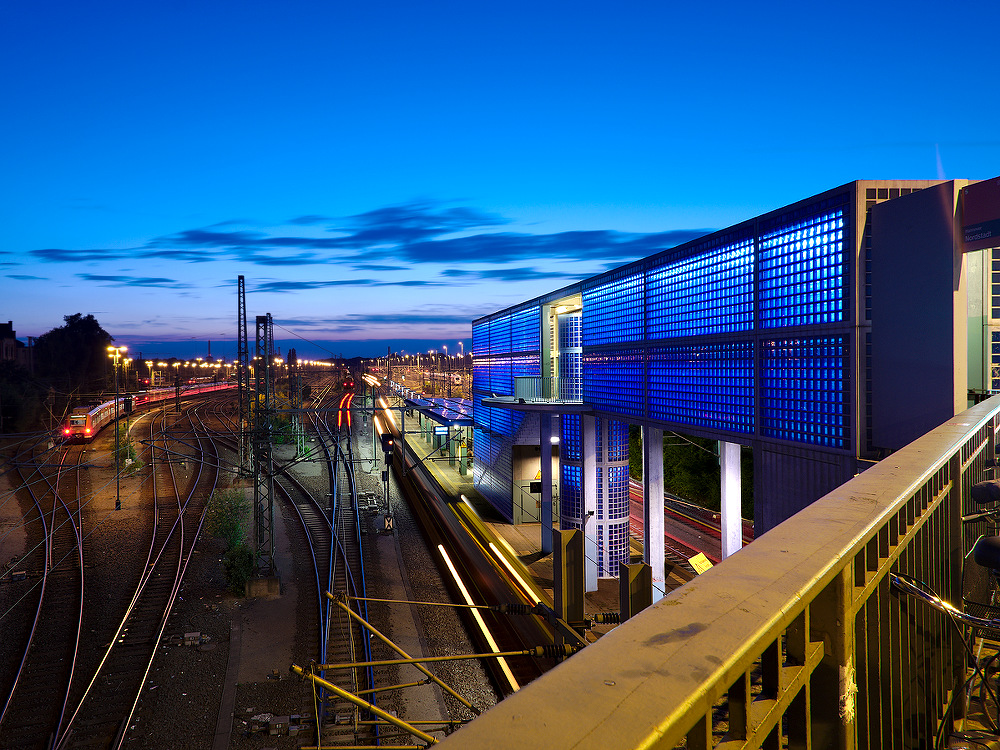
(797, 640)
(536, 388)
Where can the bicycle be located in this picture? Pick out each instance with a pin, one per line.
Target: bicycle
(980, 614)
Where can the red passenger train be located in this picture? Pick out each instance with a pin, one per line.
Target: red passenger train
(86, 421)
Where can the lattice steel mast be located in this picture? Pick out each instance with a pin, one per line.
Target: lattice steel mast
(262, 415)
(243, 379)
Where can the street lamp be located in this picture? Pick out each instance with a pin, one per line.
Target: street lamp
(115, 353)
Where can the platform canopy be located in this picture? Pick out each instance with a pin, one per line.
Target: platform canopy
(454, 412)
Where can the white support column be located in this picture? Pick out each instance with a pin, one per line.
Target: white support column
(732, 523)
(545, 437)
(588, 487)
(653, 547)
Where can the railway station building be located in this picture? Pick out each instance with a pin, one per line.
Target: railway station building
(823, 335)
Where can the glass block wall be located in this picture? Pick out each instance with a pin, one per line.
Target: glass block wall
(612, 500)
(503, 347)
(802, 272)
(708, 291)
(710, 385)
(803, 390)
(746, 334)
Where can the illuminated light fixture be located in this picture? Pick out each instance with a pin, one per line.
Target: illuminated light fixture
(554, 440)
(479, 619)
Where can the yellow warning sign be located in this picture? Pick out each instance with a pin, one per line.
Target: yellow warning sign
(700, 563)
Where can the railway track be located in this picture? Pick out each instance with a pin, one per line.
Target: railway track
(35, 698)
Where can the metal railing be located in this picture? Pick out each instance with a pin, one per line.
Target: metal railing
(536, 388)
(797, 640)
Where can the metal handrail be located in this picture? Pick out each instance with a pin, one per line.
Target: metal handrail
(797, 634)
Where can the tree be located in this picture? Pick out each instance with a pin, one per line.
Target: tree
(74, 353)
(22, 400)
(691, 469)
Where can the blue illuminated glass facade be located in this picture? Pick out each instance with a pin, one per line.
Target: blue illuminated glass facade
(749, 334)
(709, 290)
(709, 385)
(802, 270)
(803, 390)
(504, 347)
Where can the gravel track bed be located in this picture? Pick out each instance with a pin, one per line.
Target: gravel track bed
(180, 704)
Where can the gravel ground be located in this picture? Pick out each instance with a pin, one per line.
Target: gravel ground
(181, 704)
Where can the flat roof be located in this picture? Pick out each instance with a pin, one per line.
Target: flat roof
(454, 412)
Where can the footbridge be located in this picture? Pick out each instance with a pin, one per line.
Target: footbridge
(797, 640)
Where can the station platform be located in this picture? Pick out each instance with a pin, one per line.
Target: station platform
(524, 539)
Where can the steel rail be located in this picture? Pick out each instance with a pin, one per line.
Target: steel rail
(167, 540)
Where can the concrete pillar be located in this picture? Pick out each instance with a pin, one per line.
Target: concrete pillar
(545, 437)
(732, 523)
(463, 469)
(588, 450)
(452, 439)
(653, 547)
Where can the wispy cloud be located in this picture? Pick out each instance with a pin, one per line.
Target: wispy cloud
(25, 277)
(418, 233)
(304, 286)
(507, 274)
(140, 281)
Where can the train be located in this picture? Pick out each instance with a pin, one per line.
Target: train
(454, 377)
(348, 384)
(86, 421)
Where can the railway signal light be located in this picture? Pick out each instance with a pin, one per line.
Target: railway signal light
(387, 443)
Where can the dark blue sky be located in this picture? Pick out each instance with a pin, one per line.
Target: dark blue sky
(393, 170)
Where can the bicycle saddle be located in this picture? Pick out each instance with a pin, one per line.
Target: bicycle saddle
(986, 492)
(986, 552)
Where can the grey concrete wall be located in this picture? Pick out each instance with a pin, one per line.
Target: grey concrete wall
(919, 324)
(787, 478)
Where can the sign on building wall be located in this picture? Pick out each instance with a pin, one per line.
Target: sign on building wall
(981, 215)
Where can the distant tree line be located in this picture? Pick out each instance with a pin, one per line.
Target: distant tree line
(68, 361)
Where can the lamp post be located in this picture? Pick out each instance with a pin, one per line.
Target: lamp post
(115, 353)
(447, 360)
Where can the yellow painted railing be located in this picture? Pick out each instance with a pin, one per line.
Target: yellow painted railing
(797, 640)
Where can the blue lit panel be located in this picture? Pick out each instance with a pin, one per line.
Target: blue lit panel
(480, 371)
(613, 310)
(480, 339)
(500, 380)
(615, 381)
(570, 494)
(493, 471)
(710, 385)
(617, 440)
(803, 391)
(500, 335)
(711, 292)
(526, 330)
(569, 437)
(526, 365)
(802, 272)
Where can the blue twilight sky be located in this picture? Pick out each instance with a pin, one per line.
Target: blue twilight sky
(388, 171)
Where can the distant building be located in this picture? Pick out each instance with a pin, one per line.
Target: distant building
(824, 335)
(12, 350)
